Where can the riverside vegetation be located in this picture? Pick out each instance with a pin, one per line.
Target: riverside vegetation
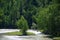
(26, 14)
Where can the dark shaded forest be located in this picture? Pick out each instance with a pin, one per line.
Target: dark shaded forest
(34, 14)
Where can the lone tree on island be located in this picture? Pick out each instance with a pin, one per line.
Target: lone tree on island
(23, 25)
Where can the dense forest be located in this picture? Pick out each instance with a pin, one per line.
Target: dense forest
(35, 14)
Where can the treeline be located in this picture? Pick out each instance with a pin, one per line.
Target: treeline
(38, 14)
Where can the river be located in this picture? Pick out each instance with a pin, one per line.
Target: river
(36, 37)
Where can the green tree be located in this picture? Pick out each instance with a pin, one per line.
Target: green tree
(10, 11)
(47, 18)
(54, 18)
(42, 18)
(23, 25)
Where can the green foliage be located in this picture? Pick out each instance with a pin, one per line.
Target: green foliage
(9, 13)
(54, 19)
(42, 18)
(23, 25)
(44, 13)
(48, 18)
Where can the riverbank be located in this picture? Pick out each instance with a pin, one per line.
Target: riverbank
(56, 38)
(18, 33)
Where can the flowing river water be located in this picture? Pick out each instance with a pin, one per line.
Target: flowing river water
(36, 37)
